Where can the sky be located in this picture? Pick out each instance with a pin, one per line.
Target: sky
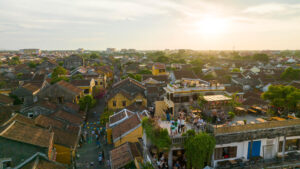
(150, 24)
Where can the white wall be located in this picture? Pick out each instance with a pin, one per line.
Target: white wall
(242, 149)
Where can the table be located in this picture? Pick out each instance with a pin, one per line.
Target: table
(240, 123)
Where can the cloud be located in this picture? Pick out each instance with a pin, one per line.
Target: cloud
(273, 8)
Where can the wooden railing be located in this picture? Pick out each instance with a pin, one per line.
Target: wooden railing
(257, 126)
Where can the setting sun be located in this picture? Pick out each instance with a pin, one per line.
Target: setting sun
(211, 25)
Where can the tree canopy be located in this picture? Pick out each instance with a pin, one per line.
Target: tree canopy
(158, 136)
(14, 61)
(58, 75)
(291, 74)
(260, 57)
(283, 97)
(145, 71)
(198, 149)
(87, 101)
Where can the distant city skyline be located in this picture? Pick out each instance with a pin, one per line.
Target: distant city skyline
(150, 24)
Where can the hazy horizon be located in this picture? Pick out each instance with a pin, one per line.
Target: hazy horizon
(150, 24)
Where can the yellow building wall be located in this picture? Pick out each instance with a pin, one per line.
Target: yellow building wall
(119, 98)
(156, 72)
(131, 137)
(63, 154)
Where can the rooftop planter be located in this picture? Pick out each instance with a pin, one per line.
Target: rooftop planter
(158, 136)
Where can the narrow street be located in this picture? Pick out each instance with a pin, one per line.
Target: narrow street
(89, 151)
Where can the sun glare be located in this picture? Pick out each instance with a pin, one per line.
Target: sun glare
(211, 25)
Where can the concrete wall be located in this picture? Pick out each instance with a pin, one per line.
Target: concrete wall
(131, 137)
(119, 98)
(242, 149)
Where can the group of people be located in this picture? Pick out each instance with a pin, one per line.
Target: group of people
(178, 125)
(162, 162)
(199, 123)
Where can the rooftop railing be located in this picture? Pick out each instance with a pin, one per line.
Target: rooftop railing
(175, 88)
(256, 126)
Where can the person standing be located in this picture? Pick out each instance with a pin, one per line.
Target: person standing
(178, 124)
(182, 124)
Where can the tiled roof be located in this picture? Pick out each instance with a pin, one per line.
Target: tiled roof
(72, 106)
(5, 99)
(120, 115)
(4, 116)
(125, 126)
(161, 78)
(179, 74)
(252, 100)
(68, 117)
(159, 66)
(65, 138)
(48, 105)
(121, 156)
(46, 122)
(41, 162)
(29, 134)
(128, 87)
(81, 82)
(152, 90)
(69, 86)
(31, 87)
(20, 118)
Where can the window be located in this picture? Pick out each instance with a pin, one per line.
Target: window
(114, 103)
(30, 115)
(161, 70)
(139, 102)
(86, 91)
(96, 83)
(225, 152)
(101, 83)
(290, 145)
(124, 103)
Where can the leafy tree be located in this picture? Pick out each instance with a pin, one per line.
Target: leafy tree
(199, 149)
(32, 64)
(231, 114)
(145, 71)
(3, 84)
(147, 165)
(137, 77)
(14, 61)
(19, 75)
(104, 117)
(197, 65)
(17, 101)
(163, 59)
(57, 79)
(260, 57)
(201, 101)
(59, 70)
(297, 53)
(209, 76)
(58, 75)
(158, 136)
(77, 77)
(94, 55)
(283, 97)
(87, 101)
(60, 63)
(236, 70)
(291, 74)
